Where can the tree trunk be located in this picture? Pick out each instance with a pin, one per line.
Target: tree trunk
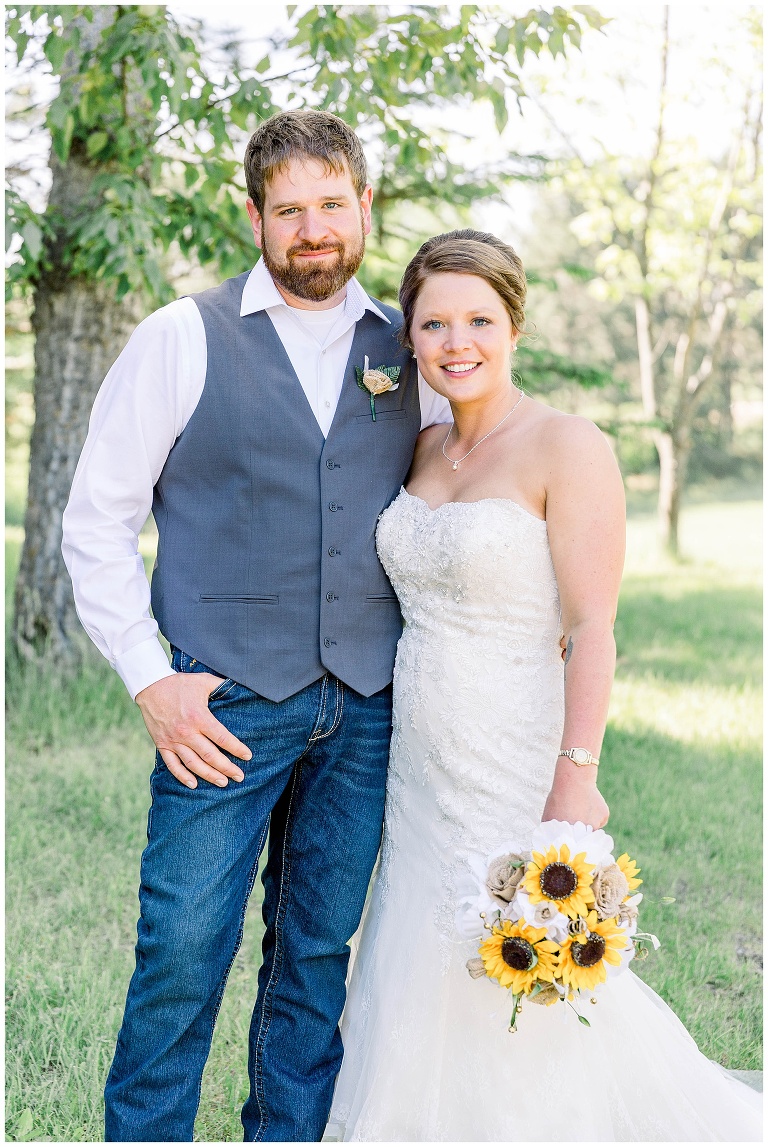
(80, 329)
(673, 464)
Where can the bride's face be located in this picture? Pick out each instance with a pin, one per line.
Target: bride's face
(463, 337)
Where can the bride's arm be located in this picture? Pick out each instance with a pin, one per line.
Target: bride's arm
(586, 525)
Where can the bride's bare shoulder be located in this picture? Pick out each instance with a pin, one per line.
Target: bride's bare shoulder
(560, 437)
(430, 439)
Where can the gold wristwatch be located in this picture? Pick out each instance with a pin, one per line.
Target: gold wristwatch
(579, 756)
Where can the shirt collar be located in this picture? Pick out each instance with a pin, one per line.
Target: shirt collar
(260, 293)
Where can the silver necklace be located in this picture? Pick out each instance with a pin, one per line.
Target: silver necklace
(455, 461)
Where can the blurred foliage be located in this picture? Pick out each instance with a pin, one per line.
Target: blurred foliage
(678, 235)
(382, 69)
(160, 127)
(162, 176)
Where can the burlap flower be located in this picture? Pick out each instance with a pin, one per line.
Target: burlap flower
(548, 995)
(376, 382)
(476, 968)
(609, 886)
(627, 914)
(504, 875)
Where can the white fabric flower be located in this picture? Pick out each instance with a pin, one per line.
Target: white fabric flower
(541, 915)
(579, 837)
(473, 897)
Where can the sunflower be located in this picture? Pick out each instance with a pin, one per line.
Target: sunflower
(630, 870)
(585, 956)
(554, 876)
(517, 956)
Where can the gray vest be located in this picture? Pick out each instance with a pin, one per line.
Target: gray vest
(266, 568)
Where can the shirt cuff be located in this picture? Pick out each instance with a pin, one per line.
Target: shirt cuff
(142, 665)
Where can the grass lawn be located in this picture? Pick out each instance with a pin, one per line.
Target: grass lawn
(681, 772)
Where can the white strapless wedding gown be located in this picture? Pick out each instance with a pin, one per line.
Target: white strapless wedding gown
(478, 713)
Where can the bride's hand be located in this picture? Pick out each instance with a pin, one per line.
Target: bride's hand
(573, 798)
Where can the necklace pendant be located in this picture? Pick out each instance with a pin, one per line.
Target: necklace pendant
(455, 465)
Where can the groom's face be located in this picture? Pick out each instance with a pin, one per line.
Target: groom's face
(312, 231)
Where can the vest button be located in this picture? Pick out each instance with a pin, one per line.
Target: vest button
(330, 597)
(327, 643)
(330, 463)
(332, 552)
(332, 507)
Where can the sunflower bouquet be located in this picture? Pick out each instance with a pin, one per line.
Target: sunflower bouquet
(562, 917)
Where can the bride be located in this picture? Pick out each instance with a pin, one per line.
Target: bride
(509, 534)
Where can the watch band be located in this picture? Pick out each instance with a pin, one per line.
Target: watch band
(579, 756)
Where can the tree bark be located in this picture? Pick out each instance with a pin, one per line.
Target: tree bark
(79, 331)
(80, 328)
(673, 454)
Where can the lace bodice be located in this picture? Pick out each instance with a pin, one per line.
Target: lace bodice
(472, 569)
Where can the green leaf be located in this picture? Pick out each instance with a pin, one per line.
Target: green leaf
(392, 372)
(585, 1021)
(25, 1125)
(555, 42)
(97, 141)
(55, 50)
(500, 111)
(501, 43)
(32, 234)
(21, 45)
(62, 139)
(263, 65)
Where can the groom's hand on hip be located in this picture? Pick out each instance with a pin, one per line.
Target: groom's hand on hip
(187, 735)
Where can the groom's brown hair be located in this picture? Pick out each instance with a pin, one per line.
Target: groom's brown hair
(303, 134)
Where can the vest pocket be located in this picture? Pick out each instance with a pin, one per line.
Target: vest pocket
(384, 414)
(380, 598)
(253, 598)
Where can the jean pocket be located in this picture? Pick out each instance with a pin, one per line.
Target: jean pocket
(183, 663)
(221, 690)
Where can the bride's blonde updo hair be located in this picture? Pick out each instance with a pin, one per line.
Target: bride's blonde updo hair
(465, 252)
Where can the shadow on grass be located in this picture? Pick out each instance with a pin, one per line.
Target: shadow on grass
(689, 633)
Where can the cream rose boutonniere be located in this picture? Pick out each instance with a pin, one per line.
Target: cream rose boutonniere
(377, 381)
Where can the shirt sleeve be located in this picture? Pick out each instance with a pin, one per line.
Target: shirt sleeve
(434, 408)
(142, 407)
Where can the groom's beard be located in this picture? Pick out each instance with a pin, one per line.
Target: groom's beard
(311, 281)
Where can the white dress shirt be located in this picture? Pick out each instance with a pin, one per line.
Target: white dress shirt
(141, 409)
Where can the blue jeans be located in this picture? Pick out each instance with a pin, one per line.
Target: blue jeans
(316, 781)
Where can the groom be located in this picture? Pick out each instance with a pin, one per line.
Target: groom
(236, 415)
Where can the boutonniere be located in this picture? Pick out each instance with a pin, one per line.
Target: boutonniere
(377, 381)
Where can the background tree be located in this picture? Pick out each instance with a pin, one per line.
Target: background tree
(678, 237)
(144, 133)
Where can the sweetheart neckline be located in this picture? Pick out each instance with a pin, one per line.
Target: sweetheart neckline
(475, 502)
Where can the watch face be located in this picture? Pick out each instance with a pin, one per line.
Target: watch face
(580, 756)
